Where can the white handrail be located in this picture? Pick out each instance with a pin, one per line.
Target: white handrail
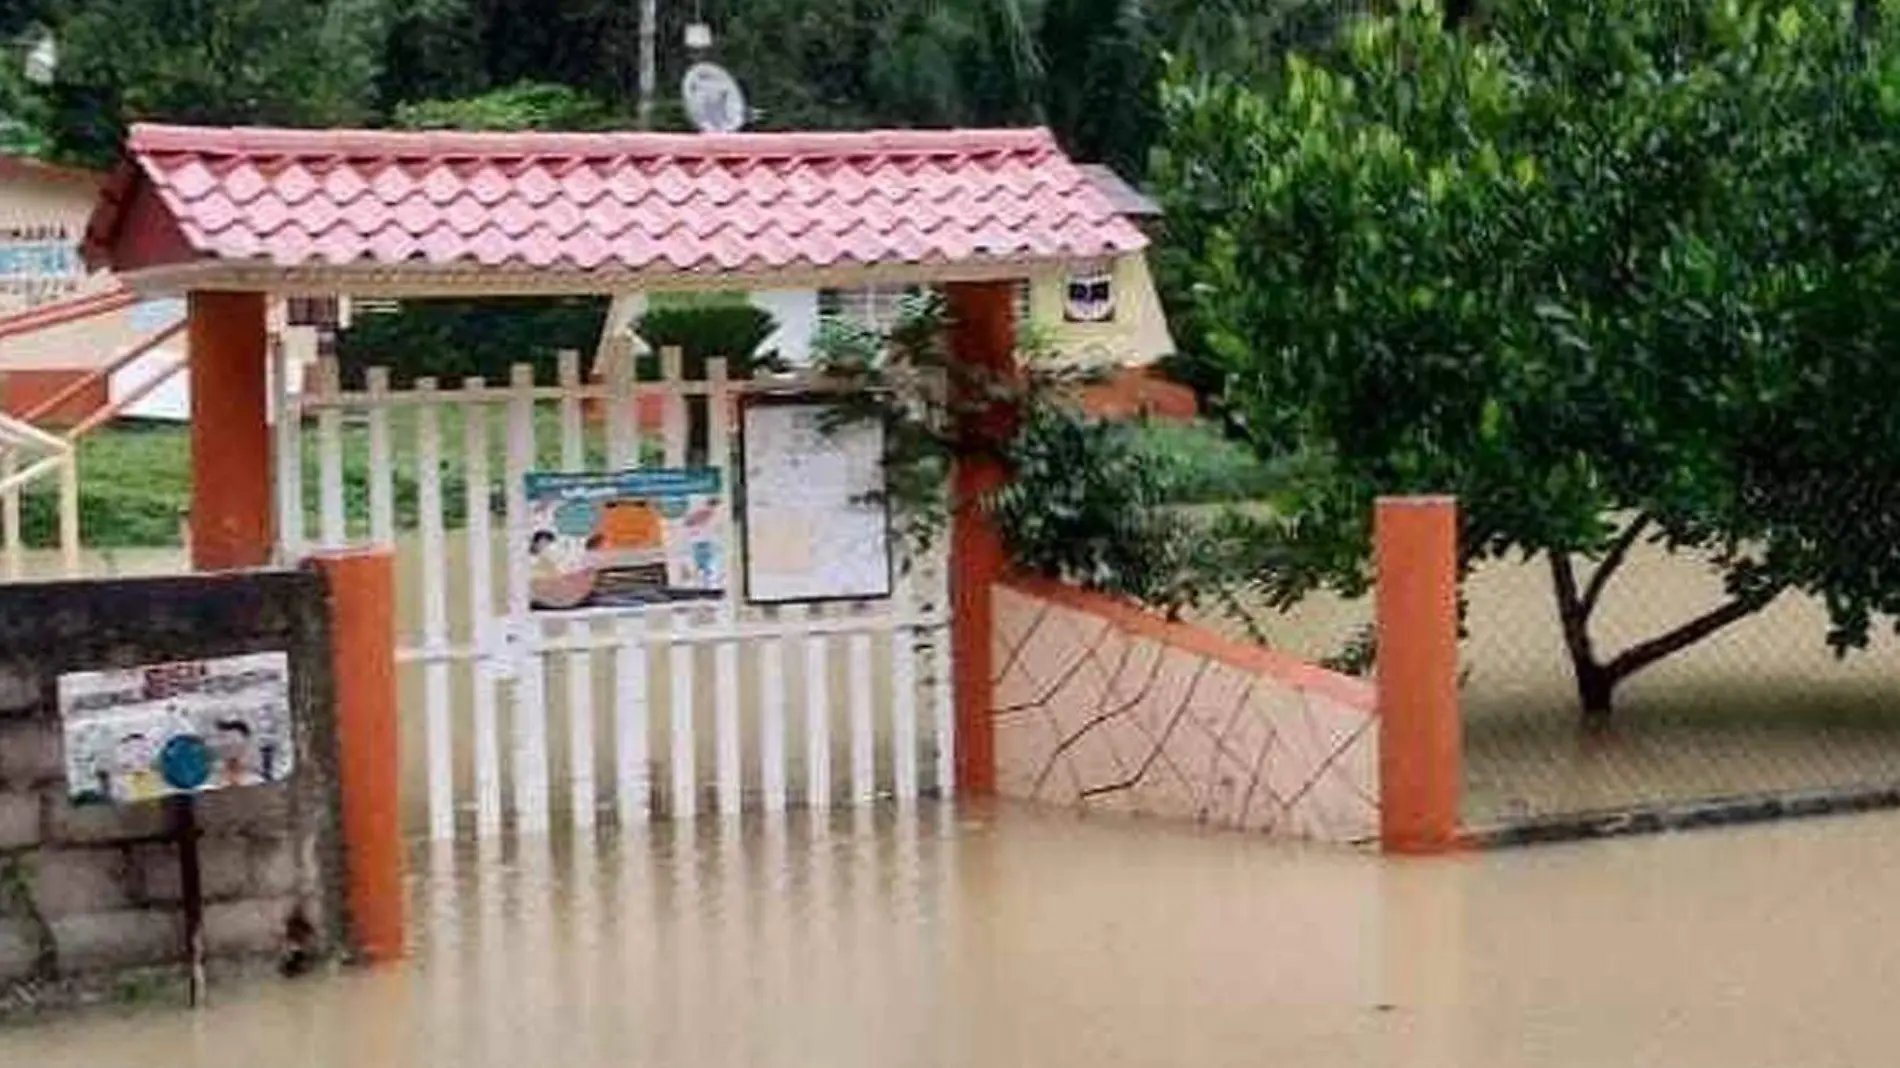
(16, 435)
(21, 431)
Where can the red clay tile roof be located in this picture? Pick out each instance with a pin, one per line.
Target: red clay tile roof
(607, 203)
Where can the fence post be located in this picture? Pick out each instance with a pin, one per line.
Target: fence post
(982, 341)
(1421, 754)
(231, 493)
(363, 646)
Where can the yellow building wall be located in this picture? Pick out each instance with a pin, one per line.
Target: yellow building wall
(1137, 335)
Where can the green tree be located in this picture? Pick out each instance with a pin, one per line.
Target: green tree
(292, 62)
(1608, 272)
(522, 106)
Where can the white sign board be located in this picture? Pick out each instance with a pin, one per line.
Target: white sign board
(138, 734)
(816, 524)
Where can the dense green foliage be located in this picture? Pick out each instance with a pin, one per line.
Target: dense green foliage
(1086, 500)
(291, 62)
(521, 106)
(1607, 272)
(1087, 68)
(455, 339)
(1194, 463)
(733, 331)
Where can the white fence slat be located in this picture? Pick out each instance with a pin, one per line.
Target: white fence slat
(817, 716)
(382, 474)
(633, 787)
(683, 742)
(673, 421)
(530, 723)
(438, 737)
(863, 765)
(726, 653)
(726, 725)
(580, 665)
(481, 613)
(333, 529)
(289, 449)
(904, 715)
(944, 713)
(772, 721)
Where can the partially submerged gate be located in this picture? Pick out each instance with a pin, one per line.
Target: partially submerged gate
(717, 702)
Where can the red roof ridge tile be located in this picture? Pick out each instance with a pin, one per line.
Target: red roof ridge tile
(159, 139)
(616, 203)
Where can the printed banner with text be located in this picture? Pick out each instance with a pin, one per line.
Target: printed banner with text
(625, 538)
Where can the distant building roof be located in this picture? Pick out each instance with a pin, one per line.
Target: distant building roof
(580, 206)
(1127, 200)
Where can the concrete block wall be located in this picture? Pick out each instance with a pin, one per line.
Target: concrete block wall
(88, 892)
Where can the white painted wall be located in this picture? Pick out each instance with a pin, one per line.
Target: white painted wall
(795, 310)
(170, 402)
(797, 313)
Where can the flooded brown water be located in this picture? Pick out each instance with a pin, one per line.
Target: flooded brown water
(1016, 937)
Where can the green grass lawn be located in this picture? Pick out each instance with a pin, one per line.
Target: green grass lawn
(135, 479)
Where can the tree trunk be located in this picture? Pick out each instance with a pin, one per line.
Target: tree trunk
(1597, 679)
(1595, 684)
(1595, 688)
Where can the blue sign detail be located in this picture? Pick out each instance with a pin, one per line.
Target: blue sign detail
(185, 762)
(657, 482)
(576, 519)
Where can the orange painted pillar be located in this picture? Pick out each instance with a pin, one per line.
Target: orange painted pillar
(1421, 736)
(983, 344)
(231, 474)
(363, 646)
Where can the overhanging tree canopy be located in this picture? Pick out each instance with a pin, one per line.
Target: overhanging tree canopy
(1607, 271)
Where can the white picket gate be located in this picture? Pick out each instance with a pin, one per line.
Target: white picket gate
(863, 672)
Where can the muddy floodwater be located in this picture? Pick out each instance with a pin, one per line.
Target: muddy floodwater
(1013, 937)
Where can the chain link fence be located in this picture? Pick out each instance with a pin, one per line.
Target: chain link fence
(1762, 709)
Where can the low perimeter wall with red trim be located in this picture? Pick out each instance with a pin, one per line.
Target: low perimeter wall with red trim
(1101, 705)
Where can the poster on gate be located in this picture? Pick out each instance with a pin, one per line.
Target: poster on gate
(607, 539)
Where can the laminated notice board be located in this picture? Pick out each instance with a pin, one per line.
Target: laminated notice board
(816, 521)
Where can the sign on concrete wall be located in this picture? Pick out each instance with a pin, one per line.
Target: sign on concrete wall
(625, 538)
(136, 734)
(817, 526)
(39, 263)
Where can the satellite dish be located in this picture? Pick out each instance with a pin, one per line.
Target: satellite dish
(714, 101)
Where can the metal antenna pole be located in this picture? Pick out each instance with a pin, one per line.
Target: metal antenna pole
(649, 77)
